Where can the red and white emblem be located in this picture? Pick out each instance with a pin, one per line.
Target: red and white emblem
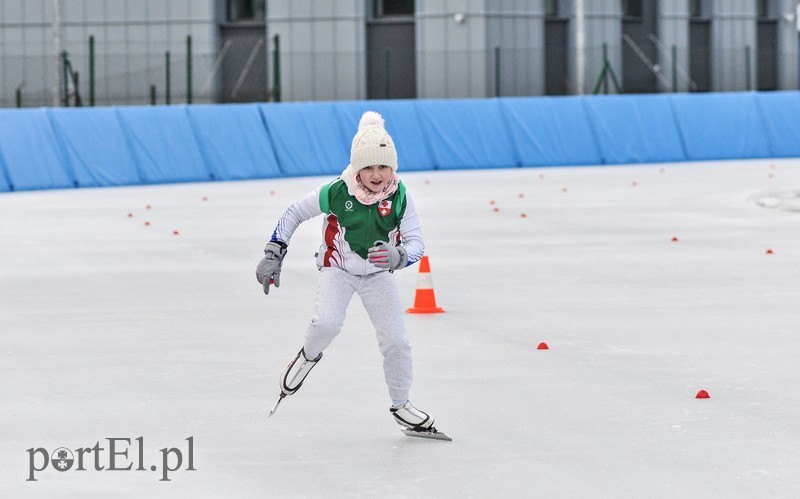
(384, 207)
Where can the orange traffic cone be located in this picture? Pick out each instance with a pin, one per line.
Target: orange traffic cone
(424, 300)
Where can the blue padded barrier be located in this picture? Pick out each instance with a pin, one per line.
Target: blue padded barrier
(467, 134)
(550, 131)
(163, 144)
(63, 148)
(5, 182)
(308, 138)
(30, 152)
(720, 126)
(781, 113)
(402, 123)
(94, 145)
(635, 129)
(233, 141)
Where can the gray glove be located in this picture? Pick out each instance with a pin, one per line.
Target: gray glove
(269, 268)
(386, 256)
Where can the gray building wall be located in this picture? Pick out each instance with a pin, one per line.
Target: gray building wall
(733, 28)
(673, 31)
(515, 28)
(323, 48)
(602, 21)
(131, 41)
(452, 57)
(462, 44)
(789, 42)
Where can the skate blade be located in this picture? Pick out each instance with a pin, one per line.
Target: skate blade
(277, 403)
(433, 434)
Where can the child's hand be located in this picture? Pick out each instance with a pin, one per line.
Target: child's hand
(385, 256)
(269, 268)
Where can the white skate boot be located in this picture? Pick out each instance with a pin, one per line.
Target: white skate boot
(293, 376)
(416, 423)
(296, 372)
(410, 417)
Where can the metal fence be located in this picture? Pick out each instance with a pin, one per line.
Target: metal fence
(101, 79)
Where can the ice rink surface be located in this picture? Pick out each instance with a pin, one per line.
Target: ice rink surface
(648, 283)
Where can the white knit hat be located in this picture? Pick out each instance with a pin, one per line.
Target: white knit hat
(372, 145)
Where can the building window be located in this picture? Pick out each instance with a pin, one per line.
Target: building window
(551, 8)
(385, 8)
(695, 9)
(632, 8)
(246, 10)
(763, 9)
(699, 9)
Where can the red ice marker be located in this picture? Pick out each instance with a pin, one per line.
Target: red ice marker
(702, 394)
(543, 346)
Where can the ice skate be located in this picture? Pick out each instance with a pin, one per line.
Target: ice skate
(293, 376)
(416, 423)
(296, 372)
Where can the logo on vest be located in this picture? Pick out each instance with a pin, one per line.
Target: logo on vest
(384, 207)
(348, 205)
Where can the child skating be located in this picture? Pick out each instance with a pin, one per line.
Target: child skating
(370, 229)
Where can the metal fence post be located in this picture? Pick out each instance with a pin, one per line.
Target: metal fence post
(747, 75)
(605, 65)
(64, 80)
(674, 68)
(497, 71)
(276, 70)
(167, 82)
(91, 70)
(188, 69)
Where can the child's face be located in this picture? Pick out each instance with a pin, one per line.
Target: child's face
(375, 177)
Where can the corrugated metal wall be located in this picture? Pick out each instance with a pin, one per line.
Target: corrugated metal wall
(464, 48)
(452, 58)
(458, 43)
(673, 31)
(131, 41)
(733, 30)
(788, 39)
(323, 48)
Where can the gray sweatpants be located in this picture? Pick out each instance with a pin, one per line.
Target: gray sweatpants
(381, 300)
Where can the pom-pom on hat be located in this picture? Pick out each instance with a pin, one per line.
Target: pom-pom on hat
(372, 145)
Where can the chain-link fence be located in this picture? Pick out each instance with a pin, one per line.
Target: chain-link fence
(124, 79)
(174, 78)
(26, 81)
(105, 79)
